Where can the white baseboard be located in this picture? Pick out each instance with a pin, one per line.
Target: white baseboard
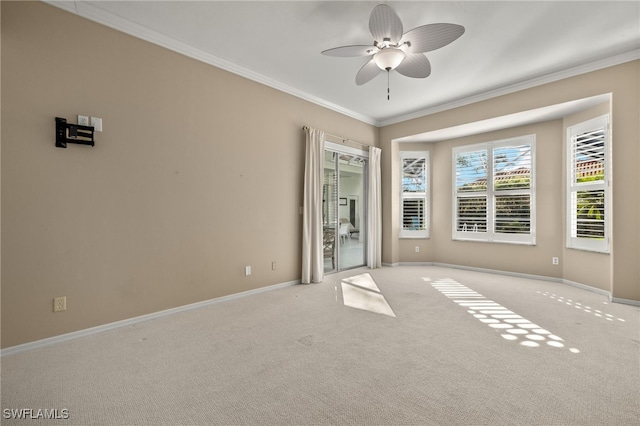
(626, 301)
(135, 320)
(500, 272)
(521, 275)
(414, 264)
(114, 325)
(484, 270)
(588, 288)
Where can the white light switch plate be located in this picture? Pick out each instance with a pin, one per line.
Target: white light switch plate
(96, 123)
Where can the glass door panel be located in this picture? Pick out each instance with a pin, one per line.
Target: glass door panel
(344, 209)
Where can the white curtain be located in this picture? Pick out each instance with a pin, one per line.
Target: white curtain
(374, 205)
(312, 256)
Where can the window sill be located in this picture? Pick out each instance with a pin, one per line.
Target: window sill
(588, 250)
(474, 240)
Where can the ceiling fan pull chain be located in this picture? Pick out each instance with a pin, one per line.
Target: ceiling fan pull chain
(388, 94)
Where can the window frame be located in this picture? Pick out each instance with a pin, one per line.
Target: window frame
(588, 244)
(426, 196)
(490, 193)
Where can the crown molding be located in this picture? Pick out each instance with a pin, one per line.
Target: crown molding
(85, 9)
(89, 11)
(522, 85)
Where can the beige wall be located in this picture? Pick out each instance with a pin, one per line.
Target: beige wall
(198, 172)
(618, 272)
(505, 257)
(0, 174)
(500, 256)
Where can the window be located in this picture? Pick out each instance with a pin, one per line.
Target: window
(588, 185)
(414, 206)
(494, 194)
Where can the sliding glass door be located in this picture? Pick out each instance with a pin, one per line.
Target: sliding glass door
(344, 212)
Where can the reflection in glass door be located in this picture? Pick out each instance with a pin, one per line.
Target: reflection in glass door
(344, 207)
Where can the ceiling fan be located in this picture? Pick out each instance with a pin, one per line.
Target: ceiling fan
(393, 50)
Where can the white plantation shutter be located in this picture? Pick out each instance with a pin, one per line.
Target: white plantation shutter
(414, 208)
(588, 185)
(588, 214)
(494, 191)
(471, 191)
(513, 214)
(329, 191)
(512, 172)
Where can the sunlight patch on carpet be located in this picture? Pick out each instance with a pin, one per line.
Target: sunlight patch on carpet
(584, 308)
(361, 292)
(511, 326)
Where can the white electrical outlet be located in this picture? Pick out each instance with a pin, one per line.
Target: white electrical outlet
(247, 270)
(83, 120)
(417, 249)
(59, 304)
(273, 265)
(555, 260)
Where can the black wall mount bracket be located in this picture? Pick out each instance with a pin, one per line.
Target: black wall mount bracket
(72, 133)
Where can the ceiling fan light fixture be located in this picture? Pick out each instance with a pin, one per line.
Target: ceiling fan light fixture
(389, 59)
(394, 50)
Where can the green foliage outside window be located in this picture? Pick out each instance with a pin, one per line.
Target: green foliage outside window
(590, 209)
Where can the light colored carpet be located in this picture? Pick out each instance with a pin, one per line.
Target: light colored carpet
(299, 355)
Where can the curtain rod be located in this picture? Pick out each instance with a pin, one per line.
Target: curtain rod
(341, 138)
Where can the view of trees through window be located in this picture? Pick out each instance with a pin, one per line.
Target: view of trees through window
(414, 183)
(510, 171)
(588, 158)
(414, 213)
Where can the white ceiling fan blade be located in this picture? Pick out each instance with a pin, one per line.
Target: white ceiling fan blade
(367, 72)
(350, 51)
(385, 23)
(431, 37)
(415, 65)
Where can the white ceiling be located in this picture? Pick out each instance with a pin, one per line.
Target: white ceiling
(507, 45)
